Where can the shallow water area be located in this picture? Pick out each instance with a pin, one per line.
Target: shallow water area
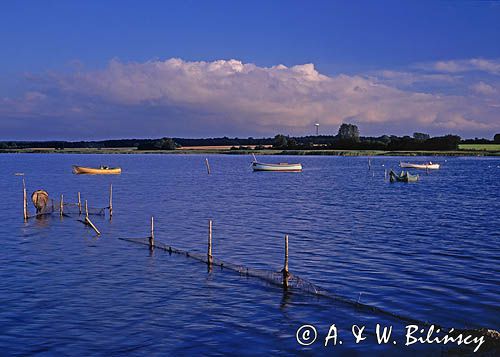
(426, 250)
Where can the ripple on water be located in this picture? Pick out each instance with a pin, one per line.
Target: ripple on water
(427, 250)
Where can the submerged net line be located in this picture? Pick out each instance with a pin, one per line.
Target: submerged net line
(69, 209)
(73, 208)
(295, 282)
(298, 284)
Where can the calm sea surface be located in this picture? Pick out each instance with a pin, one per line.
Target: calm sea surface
(428, 251)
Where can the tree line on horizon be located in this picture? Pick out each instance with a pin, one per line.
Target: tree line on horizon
(347, 138)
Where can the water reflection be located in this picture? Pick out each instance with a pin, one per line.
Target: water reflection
(424, 250)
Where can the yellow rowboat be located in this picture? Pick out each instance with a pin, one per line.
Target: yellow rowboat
(102, 170)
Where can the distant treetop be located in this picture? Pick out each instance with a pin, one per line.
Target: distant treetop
(348, 132)
(421, 136)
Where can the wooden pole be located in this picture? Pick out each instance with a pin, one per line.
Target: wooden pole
(25, 201)
(79, 204)
(208, 165)
(61, 206)
(110, 201)
(152, 237)
(285, 267)
(209, 250)
(89, 222)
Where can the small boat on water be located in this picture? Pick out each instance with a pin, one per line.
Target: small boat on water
(404, 176)
(280, 167)
(427, 166)
(101, 170)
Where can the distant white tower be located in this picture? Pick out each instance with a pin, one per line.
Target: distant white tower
(317, 128)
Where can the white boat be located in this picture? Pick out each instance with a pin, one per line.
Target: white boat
(280, 167)
(426, 166)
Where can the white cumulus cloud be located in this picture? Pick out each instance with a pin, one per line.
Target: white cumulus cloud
(483, 88)
(176, 96)
(465, 65)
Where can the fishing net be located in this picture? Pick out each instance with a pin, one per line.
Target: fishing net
(274, 278)
(40, 199)
(77, 209)
(298, 284)
(44, 205)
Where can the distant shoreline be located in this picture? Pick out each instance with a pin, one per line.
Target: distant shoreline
(228, 151)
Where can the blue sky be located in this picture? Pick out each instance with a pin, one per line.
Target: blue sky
(99, 69)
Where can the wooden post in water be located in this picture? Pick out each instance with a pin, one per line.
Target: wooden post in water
(385, 174)
(61, 206)
(285, 267)
(209, 248)
(152, 237)
(79, 204)
(208, 165)
(25, 201)
(110, 201)
(88, 221)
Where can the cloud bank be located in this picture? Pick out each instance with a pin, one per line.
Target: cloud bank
(469, 65)
(228, 97)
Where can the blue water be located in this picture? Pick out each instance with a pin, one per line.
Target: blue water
(427, 250)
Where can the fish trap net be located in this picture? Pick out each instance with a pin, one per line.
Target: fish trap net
(298, 284)
(272, 277)
(45, 205)
(76, 209)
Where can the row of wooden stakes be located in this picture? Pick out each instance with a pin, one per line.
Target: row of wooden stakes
(86, 221)
(284, 271)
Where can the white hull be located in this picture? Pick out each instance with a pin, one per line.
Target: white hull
(282, 167)
(419, 166)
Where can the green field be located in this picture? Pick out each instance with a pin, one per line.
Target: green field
(487, 147)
